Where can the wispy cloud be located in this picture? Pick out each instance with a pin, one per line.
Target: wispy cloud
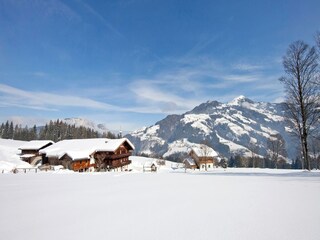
(46, 101)
(247, 67)
(160, 99)
(201, 45)
(39, 74)
(241, 78)
(180, 86)
(190, 81)
(45, 9)
(101, 18)
(29, 121)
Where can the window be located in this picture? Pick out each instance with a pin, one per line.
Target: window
(202, 166)
(208, 166)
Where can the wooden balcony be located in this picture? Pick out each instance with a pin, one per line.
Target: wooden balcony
(117, 156)
(118, 163)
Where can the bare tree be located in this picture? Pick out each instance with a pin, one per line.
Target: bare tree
(206, 153)
(301, 68)
(254, 149)
(317, 39)
(276, 146)
(315, 149)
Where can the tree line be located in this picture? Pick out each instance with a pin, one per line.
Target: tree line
(54, 130)
(239, 161)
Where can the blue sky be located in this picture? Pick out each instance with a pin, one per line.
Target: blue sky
(129, 63)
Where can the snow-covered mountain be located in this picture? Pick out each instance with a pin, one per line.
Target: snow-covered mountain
(78, 122)
(237, 127)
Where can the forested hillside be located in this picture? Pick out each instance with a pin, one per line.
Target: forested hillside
(54, 130)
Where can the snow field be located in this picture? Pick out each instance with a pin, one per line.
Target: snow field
(233, 204)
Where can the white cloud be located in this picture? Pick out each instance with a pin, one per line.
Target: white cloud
(183, 84)
(45, 101)
(161, 100)
(29, 121)
(247, 67)
(190, 81)
(279, 100)
(241, 77)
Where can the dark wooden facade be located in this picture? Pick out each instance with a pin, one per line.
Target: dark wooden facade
(190, 165)
(150, 167)
(100, 160)
(203, 160)
(113, 160)
(34, 152)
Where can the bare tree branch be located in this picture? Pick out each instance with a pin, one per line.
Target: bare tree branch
(302, 93)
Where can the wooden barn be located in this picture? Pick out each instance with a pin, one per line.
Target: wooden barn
(30, 150)
(150, 167)
(189, 163)
(88, 154)
(204, 157)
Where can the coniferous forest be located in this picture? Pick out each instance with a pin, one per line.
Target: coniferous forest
(54, 130)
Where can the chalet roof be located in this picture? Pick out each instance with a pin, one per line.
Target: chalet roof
(83, 148)
(150, 163)
(35, 144)
(204, 151)
(190, 160)
(27, 155)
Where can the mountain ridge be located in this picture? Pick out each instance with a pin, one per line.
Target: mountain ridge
(230, 128)
(99, 127)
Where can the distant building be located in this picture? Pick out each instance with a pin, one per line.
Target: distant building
(86, 154)
(189, 163)
(30, 150)
(150, 167)
(204, 157)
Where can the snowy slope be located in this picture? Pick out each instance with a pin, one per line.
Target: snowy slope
(9, 158)
(234, 204)
(81, 122)
(231, 128)
(137, 164)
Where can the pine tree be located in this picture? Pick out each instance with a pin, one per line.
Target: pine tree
(5, 133)
(231, 162)
(11, 131)
(1, 130)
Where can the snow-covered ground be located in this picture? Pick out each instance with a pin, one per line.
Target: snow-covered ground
(170, 204)
(232, 204)
(9, 158)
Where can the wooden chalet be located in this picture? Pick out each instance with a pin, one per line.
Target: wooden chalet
(150, 167)
(30, 150)
(204, 157)
(90, 154)
(189, 163)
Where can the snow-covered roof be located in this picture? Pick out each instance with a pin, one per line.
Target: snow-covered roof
(83, 148)
(149, 164)
(27, 155)
(190, 161)
(35, 144)
(204, 151)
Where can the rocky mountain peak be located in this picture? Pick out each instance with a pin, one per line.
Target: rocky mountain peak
(206, 107)
(100, 128)
(230, 129)
(240, 100)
